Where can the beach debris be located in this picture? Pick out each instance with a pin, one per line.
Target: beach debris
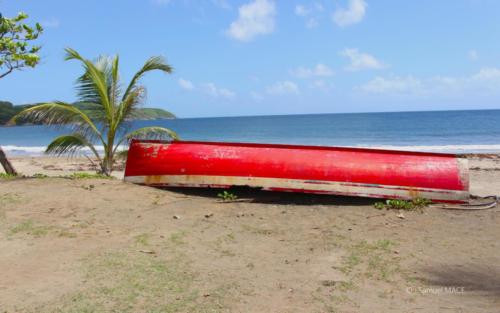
(7, 166)
(328, 283)
(52, 168)
(176, 217)
(244, 214)
(89, 187)
(401, 215)
(147, 251)
(209, 215)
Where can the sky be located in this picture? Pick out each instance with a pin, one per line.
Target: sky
(266, 57)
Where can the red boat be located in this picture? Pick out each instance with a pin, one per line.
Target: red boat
(309, 169)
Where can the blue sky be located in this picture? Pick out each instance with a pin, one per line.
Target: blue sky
(258, 57)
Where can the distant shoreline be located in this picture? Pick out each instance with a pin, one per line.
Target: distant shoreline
(131, 120)
(8, 111)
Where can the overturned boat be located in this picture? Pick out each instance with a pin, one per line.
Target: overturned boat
(293, 168)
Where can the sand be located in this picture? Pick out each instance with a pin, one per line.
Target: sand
(98, 245)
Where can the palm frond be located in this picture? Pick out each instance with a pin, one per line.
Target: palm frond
(109, 67)
(93, 85)
(115, 81)
(58, 113)
(70, 145)
(72, 54)
(128, 106)
(156, 63)
(94, 111)
(115, 72)
(153, 132)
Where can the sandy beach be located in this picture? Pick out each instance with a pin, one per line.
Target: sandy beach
(256, 102)
(95, 245)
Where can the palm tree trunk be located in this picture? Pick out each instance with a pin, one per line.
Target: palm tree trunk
(107, 166)
(107, 161)
(9, 169)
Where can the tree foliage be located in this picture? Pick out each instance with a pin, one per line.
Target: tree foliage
(107, 110)
(16, 49)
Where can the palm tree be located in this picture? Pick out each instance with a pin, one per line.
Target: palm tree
(102, 110)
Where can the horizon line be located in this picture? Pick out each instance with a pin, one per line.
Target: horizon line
(331, 113)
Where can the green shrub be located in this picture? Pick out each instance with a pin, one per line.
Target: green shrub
(7, 176)
(82, 175)
(227, 196)
(417, 204)
(39, 175)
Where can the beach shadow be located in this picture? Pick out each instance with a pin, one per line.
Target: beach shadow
(256, 195)
(481, 279)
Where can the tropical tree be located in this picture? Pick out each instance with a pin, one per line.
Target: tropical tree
(15, 50)
(15, 54)
(102, 111)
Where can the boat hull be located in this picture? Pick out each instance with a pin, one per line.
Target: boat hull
(309, 169)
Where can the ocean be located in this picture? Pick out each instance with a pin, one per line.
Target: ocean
(475, 131)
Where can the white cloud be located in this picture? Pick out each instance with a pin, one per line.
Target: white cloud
(214, 91)
(393, 85)
(256, 96)
(320, 70)
(312, 23)
(185, 84)
(208, 88)
(226, 93)
(321, 85)
(488, 74)
(353, 14)
(301, 10)
(255, 18)
(283, 88)
(223, 4)
(361, 61)
(50, 23)
(310, 13)
(485, 81)
(473, 55)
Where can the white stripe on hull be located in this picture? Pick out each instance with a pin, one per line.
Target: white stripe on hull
(310, 186)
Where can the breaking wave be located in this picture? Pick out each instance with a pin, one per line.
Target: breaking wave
(39, 150)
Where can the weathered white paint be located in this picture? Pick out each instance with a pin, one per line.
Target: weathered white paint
(322, 187)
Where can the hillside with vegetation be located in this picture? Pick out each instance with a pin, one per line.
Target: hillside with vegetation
(8, 110)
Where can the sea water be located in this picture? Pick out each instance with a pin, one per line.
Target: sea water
(438, 131)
